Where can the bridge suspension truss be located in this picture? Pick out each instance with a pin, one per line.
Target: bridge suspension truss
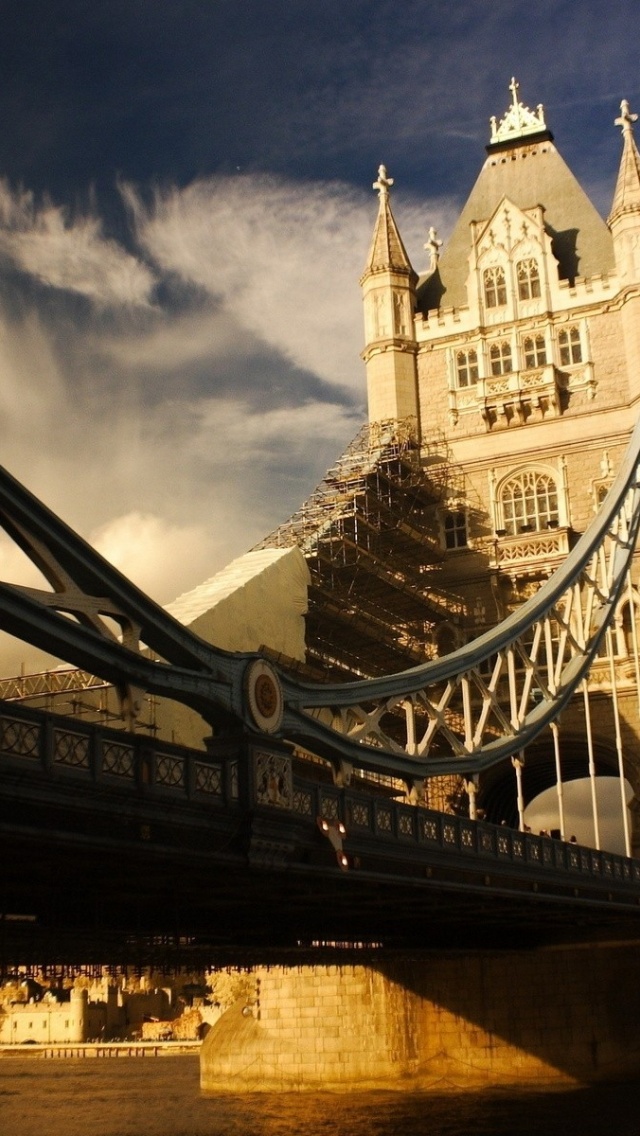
(462, 714)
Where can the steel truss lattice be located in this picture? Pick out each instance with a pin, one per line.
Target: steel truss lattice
(459, 714)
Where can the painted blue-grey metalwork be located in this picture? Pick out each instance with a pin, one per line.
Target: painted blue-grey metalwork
(464, 712)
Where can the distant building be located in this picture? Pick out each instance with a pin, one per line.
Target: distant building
(74, 1020)
(80, 1015)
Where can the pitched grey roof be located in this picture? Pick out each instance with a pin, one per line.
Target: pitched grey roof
(528, 175)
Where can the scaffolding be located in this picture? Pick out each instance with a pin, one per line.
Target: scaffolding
(370, 533)
(76, 693)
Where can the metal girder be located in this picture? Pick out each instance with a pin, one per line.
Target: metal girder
(155, 652)
(487, 700)
(459, 714)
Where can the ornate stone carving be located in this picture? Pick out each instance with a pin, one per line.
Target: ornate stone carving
(272, 779)
(519, 121)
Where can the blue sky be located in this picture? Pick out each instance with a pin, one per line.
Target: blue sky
(185, 210)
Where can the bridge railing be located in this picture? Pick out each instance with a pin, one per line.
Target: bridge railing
(71, 753)
(67, 747)
(393, 822)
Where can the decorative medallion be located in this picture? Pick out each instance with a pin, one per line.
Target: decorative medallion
(264, 696)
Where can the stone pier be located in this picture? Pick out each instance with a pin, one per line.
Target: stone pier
(433, 1021)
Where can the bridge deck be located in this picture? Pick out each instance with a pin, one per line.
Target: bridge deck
(108, 840)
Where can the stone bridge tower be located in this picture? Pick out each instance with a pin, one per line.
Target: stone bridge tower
(525, 341)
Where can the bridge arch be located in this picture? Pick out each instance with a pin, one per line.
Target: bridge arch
(497, 795)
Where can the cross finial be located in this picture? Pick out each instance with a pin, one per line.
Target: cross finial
(433, 247)
(626, 119)
(519, 121)
(383, 183)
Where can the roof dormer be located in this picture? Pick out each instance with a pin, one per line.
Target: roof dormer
(511, 264)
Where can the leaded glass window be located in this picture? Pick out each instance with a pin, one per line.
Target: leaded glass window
(535, 351)
(570, 346)
(495, 287)
(467, 368)
(528, 275)
(500, 358)
(529, 502)
(455, 529)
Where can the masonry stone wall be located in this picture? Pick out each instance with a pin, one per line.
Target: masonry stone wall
(539, 1018)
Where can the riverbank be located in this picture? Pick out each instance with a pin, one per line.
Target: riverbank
(102, 1049)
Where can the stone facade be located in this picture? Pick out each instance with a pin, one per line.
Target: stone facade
(47, 1021)
(524, 362)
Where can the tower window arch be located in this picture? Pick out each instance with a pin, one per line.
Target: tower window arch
(466, 368)
(535, 351)
(495, 287)
(500, 358)
(570, 346)
(529, 502)
(528, 275)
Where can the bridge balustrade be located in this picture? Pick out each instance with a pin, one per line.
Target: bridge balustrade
(79, 752)
(395, 822)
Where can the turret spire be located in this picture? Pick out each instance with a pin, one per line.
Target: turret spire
(389, 295)
(387, 250)
(626, 198)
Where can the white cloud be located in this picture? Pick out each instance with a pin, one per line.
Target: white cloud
(284, 258)
(542, 813)
(177, 440)
(154, 553)
(71, 255)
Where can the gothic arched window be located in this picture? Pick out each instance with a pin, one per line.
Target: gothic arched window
(495, 287)
(500, 358)
(528, 275)
(570, 346)
(529, 502)
(535, 351)
(467, 368)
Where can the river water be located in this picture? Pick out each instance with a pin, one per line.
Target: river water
(161, 1097)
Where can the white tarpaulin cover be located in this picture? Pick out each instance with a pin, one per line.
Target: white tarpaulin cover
(258, 600)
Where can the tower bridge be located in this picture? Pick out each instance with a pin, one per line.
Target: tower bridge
(470, 572)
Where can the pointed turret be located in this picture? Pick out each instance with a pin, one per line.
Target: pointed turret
(624, 222)
(624, 219)
(388, 289)
(387, 252)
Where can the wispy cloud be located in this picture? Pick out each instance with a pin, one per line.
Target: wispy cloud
(71, 254)
(175, 435)
(284, 259)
